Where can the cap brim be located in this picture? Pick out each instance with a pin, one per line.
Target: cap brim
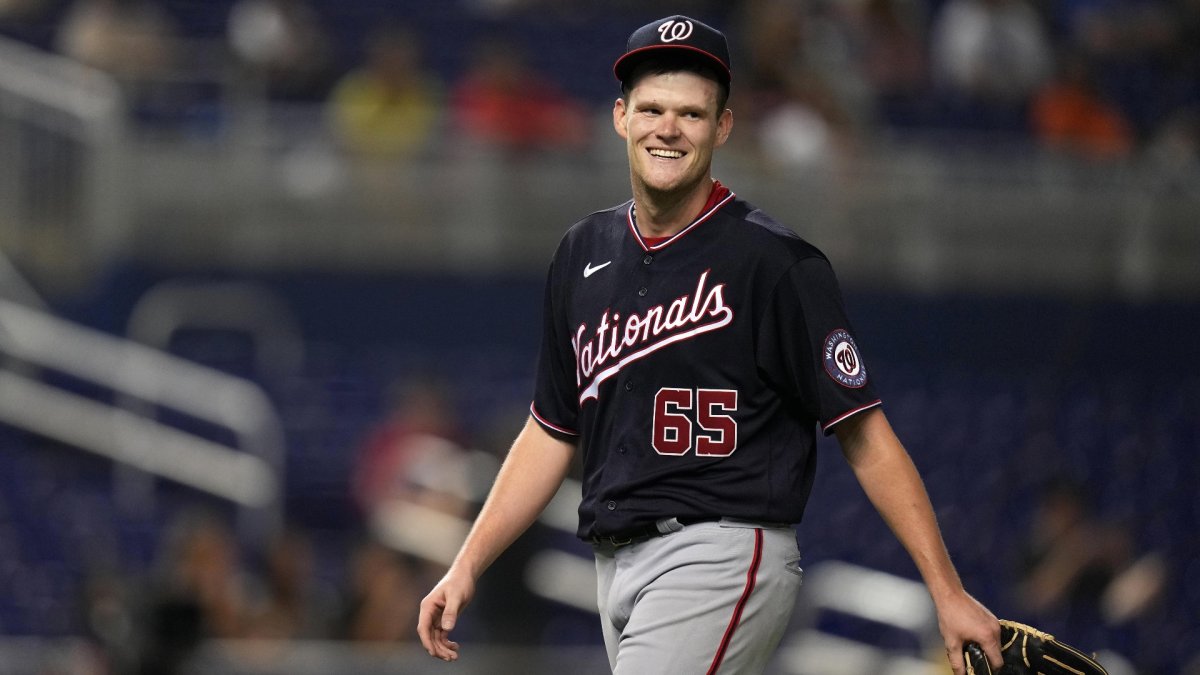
(625, 65)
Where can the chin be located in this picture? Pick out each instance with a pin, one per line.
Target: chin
(669, 187)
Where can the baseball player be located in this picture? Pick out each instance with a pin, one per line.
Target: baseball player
(691, 346)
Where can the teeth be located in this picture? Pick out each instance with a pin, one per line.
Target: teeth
(668, 154)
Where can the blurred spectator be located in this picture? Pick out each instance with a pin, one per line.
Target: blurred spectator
(892, 54)
(1174, 150)
(136, 42)
(1178, 127)
(109, 619)
(1066, 560)
(201, 592)
(1120, 30)
(989, 56)
(829, 52)
(788, 109)
(412, 480)
(294, 605)
(1082, 568)
(1129, 45)
(1068, 114)
(283, 42)
(390, 105)
(131, 39)
(414, 455)
(382, 596)
(502, 102)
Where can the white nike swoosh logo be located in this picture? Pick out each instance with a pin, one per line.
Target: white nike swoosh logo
(588, 270)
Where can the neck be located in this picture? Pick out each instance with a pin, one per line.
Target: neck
(662, 214)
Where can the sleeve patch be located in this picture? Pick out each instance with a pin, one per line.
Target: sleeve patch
(842, 360)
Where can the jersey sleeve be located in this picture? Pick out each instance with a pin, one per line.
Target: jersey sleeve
(555, 398)
(807, 349)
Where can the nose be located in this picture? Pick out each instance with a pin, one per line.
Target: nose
(668, 126)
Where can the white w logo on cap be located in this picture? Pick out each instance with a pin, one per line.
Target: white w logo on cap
(673, 30)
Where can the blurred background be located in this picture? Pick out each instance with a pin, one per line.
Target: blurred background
(270, 288)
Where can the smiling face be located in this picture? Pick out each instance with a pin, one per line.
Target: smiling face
(671, 123)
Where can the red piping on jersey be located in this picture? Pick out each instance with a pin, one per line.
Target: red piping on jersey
(751, 578)
(828, 425)
(720, 196)
(541, 420)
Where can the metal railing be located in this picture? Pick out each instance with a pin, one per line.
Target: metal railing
(62, 134)
(248, 472)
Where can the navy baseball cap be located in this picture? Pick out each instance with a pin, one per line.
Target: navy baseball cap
(679, 35)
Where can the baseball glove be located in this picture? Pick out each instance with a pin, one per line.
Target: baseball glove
(1028, 651)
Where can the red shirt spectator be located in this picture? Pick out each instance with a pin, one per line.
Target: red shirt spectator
(501, 101)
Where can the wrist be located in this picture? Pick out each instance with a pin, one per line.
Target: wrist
(467, 566)
(945, 590)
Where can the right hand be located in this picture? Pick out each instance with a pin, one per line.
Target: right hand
(439, 612)
(962, 621)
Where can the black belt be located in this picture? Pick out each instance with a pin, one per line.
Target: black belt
(636, 535)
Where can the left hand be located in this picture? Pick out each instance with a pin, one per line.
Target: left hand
(962, 619)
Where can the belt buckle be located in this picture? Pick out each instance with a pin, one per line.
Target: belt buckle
(613, 541)
(618, 542)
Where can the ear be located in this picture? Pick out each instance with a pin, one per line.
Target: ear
(724, 127)
(619, 112)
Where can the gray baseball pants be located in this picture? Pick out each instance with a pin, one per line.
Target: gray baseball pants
(711, 598)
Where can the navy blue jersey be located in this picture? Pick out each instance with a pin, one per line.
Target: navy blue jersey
(693, 372)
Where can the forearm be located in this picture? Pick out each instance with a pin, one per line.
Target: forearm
(892, 483)
(531, 474)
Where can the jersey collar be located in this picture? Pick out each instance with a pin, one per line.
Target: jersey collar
(718, 197)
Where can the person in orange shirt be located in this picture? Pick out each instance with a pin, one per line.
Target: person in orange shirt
(1070, 115)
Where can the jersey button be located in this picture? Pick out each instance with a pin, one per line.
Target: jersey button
(612, 506)
(628, 386)
(621, 449)
(643, 291)
(648, 259)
